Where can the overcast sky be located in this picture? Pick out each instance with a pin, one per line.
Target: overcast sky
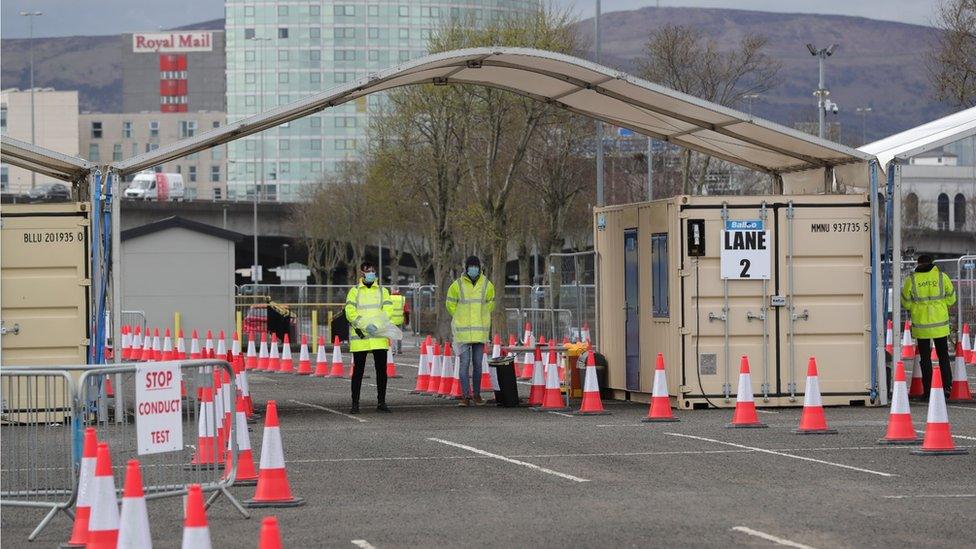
(87, 17)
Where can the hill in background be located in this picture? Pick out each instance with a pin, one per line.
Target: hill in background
(879, 64)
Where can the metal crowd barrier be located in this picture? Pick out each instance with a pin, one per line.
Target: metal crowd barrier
(36, 465)
(46, 414)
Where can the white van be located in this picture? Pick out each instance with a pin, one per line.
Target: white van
(156, 186)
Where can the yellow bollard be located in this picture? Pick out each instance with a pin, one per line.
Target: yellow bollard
(239, 322)
(176, 323)
(315, 331)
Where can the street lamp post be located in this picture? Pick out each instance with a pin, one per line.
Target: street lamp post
(863, 113)
(30, 15)
(260, 104)
(285, 248)
(750, 97)
(599, 124)
(822, 92)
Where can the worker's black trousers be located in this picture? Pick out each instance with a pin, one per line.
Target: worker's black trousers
(359, 368)
(925, 361)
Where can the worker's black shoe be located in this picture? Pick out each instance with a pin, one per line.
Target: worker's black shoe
(354, 409)
(382, 407)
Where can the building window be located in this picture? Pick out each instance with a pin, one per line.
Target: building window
(4, 177)
(248, 34)
(284, 145)
(943, 212)
(248, 11)
(911, 210)
(315, 78)
(959, 205)
(282, 11)
(345, 10)
(315, 122)
(126, 130)
(659, 275)
(315, 144)
(314, 9)
(315, 33)
(344, 32)
(404, 11)
(135, 149)
(315, 55)
(374, 33)
(374, 55)
(153, 128)
(188, 128)
(249, 101)
(214, 174)
(404, 34)
(93, 152)
(249, 55)
(216, 124)
(192, 173)
(373, 11)
(217, 153)
(345, 55)
(3, 119)
(283, 32)
(116, 152)
(250, 78)
(345, 122)
(282, 77)
(96, 130)
(404, 55)
(282, 55)
(217, 193)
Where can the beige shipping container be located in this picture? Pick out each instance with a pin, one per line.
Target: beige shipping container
(658, 296)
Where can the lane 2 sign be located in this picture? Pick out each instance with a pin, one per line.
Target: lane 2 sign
(746, 250)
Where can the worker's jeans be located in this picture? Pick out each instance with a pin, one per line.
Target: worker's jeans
(925, 361)
(471, 354)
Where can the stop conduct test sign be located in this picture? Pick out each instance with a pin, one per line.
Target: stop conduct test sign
(159, 419)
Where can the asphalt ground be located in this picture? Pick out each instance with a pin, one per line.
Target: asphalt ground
(431, 474)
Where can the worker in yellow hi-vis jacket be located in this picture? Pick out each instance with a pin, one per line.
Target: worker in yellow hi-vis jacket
(470, 301)
(368, 309)
(927, 295)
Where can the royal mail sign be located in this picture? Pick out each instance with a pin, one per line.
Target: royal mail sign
(172, 42)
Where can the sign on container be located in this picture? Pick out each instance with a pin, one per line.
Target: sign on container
(159, 419)
(745, 250)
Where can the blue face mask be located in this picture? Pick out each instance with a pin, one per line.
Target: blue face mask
(369, 278)
(473, 272)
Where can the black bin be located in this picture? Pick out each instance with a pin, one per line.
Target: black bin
(507, 393)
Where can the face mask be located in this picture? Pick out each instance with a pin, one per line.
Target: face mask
(369, 278)
(473, 272)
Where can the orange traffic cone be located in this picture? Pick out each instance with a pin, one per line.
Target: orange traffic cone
(208, 345)
(436, 370)
(967, 345)
(157, 347)
(959, 392)
(251, 361)
(304, 360)
(485, 375)
(126, 342)
(660, 409)
(147, 348)
(168, 353)
(180, 345)
(938, 435)
(195, 352)
(586, 332)
(745, 407)
(496, 352)
(263, 352)
(196, 533)
(270, 536)
(246, 474)
(272, 489)
(221, 352)
(337, 369)
(528, 362)
(900, 429)
(135, 345)
(134, 520)
(552, 398)
(391, 371)
(906, 339)
(321, 361)
(917, 388)
(538, 390)
(227, 407)
(512, 342)
(527, 334)
(812, 420)
(274, 359)
(889, 342)
(206, 452)
(286, 365)
(423, 374)
(592, 405)
(86, 476)
(455, 390)
(447, 372)
(103, 525)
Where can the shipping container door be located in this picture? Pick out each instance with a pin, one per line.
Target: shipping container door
(725, 319)
(632, 309)
(44, 285)
(823, 251)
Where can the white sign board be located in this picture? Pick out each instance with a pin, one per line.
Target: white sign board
(159, 420)
(172, 42)
(746, 251)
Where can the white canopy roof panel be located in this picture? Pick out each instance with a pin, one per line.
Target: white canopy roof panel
(576, 85)
(929, 136)
(42, 161)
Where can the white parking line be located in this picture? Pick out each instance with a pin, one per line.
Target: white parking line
(564, 415)
(761, 411)
(963, 437)
(932, 496)
(971, 408)
(775, 453)
(770, 537)
(330, 410)
(509, 460)
(362, 543)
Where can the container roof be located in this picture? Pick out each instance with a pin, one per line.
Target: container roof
(177, 222)
(573, 84)
(43, 161)
(929, 136)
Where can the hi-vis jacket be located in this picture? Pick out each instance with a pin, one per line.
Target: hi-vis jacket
(927, 296)
(367, 305)
(470, 304)
(396, 316)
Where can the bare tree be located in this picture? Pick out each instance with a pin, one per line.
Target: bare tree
(953, 59)
(685, 59)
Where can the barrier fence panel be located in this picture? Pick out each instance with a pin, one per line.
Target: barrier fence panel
(36, 465)
(134, 318)
(167, 474)
(572, 286)
(962, 272)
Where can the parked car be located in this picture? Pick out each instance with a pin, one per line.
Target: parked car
(49, 192)
(156, 186)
